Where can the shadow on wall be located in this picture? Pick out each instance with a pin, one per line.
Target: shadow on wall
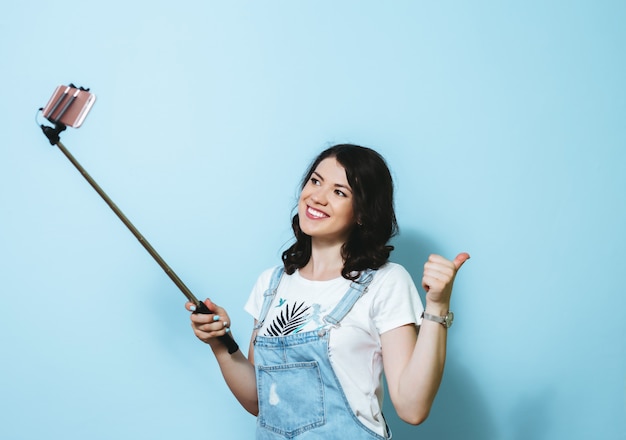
(459, 411)
(531, 415)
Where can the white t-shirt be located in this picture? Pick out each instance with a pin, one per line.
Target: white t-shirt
(354, 348)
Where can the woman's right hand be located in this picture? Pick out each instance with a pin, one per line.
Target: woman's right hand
(237, 370)
(208, 327)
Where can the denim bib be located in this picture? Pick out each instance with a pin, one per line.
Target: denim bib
(299, 394)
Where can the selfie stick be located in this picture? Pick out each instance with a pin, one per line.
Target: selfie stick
(53, 136)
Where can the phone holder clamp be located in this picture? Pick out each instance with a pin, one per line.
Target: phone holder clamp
(52, 133)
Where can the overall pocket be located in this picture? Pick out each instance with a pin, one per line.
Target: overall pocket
(291, 398)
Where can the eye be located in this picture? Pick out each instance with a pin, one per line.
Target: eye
(314, 181)
(340, 193)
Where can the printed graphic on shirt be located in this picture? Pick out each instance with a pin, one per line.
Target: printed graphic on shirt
(292, 318)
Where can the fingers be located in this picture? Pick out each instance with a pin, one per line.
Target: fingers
(441, 264)
(460, 259)
(439, 268)
(440, 272)
(207, 326)
(206, 331)
(211, 306)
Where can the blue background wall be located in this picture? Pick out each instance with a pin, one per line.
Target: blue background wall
(504, 124)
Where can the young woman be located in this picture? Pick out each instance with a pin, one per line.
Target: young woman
(336, 314)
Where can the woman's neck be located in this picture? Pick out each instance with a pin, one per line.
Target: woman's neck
(326, 263)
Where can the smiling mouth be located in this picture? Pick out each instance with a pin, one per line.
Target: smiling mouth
(314, 213)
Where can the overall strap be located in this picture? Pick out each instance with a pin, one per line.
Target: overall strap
(356, 291)
(269, 295)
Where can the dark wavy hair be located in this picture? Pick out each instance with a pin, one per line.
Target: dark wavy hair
(372, 189)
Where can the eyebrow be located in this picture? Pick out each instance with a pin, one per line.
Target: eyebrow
(337, 185)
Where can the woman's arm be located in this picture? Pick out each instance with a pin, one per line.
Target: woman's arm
(238, 371)
(414, 362)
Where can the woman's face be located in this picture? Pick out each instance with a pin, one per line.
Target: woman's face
(325, 206)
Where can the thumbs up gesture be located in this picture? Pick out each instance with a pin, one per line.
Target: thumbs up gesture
(439, 274)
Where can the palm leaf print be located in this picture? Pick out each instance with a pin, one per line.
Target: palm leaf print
(288, 320)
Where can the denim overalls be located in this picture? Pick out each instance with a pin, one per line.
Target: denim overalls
(299, 394)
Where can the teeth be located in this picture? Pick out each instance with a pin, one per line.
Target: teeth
(316, 214)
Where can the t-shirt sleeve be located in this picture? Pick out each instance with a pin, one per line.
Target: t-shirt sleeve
(255, 300)
(397, 301)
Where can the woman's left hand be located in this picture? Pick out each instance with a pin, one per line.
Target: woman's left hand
(439, 274)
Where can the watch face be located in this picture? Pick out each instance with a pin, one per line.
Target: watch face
(448, 319)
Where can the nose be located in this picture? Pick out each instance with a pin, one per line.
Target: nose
(320, 196)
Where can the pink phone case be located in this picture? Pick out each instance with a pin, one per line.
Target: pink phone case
(69, 106)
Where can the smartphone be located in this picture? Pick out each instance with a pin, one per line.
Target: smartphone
(69, 105)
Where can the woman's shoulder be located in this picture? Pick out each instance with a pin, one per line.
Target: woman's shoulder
(392, 269)
(393, 276)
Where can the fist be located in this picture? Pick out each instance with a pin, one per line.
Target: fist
(439, 274)
(208, 327)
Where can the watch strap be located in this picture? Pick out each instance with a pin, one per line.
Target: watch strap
(446, 320)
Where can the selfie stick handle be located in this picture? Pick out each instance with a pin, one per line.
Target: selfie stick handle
(200, 306)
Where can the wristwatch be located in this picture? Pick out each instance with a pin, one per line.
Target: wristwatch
(446, 320)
